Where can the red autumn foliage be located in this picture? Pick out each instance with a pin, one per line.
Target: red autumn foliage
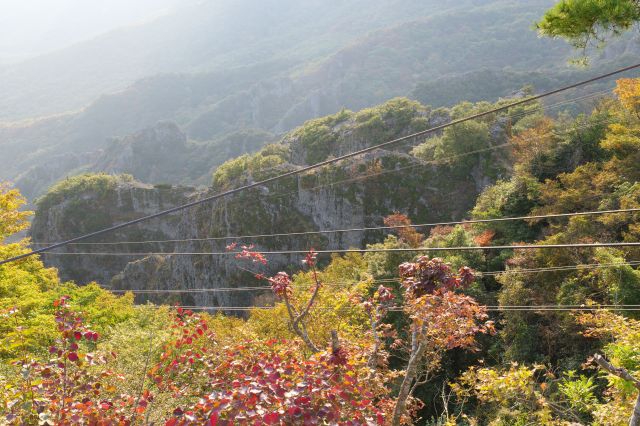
(426, 275)
(272, 382)
(485, 238)
(402, 226)
(65, 390)
(281, 284)
(258, 384)
(441, 319)
(441, 231)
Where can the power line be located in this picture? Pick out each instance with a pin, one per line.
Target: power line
(302, 233)
(425, 163)
(381, 281)
(543, 107)
(525, 308)
(367, 176)
(375, 228)
(317, 165)
(559, 268)
(356, 250)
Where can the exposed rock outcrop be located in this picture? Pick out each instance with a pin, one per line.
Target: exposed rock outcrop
(354, 194)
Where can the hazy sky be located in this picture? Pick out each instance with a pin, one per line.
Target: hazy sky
(29, 27)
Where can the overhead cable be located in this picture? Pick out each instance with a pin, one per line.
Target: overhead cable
(376, 228)
(356, 250)
(317, 165)
(381, 281)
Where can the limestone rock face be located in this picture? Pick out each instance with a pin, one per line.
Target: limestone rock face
(186, 250)
(84, 207)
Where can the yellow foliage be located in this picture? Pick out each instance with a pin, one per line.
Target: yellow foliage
(342, 281)
(511, 395)
(30, 288)
(621, 139)
(628, 91)
(624, 336)
(532, 142)
(12, 220)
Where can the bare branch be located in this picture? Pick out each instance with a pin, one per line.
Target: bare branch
(616, 371)
(296, 318)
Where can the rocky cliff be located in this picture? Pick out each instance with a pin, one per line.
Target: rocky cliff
(356, 193)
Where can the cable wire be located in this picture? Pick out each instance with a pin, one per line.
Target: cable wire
(317, 165)
(381, 281)
(525, 308)
(367, 176)
(375, 228)
(356, 250)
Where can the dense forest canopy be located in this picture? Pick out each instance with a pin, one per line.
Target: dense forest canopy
(515, 316)
(391, 315)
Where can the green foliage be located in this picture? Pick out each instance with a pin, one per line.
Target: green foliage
(622, 336)
(345, 279)
(30, 289)
(512, 198)
(454, 146)
(579, 391)
(460, 139)
(467, 148)
(584, 21)
(457, 236)
(99, 184)
(506, 396)
(256, 166)
(568, 145)
(383, 264)
(209, 356)
(318, 137)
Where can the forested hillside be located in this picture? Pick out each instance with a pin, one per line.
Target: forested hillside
(534, 358)
(281, 75)
(356, 194)
(310, 248)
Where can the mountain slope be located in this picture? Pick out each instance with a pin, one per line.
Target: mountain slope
(334, 198)
(213, 34)
(491, 53)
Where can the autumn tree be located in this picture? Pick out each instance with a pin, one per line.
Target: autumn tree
(29, 288)
(619, 364)
(12, 220)
(532, 142)
(441, 319)
(70, 387)
(510, 395)
(401, 224)
(628, 91)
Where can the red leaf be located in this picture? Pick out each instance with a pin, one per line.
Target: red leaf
(73, 356)
(213, 420)
(77, 335)
(271, 418)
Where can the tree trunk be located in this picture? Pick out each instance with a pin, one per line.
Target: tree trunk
(635, 416)
(623, 374)
(405, 388)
